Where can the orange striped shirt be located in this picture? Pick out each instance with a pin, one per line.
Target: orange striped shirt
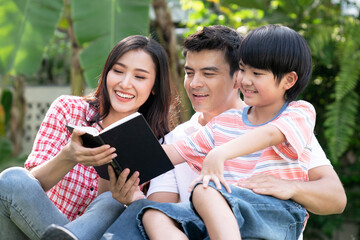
(288, 160)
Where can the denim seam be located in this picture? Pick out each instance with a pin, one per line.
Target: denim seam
(21, 214)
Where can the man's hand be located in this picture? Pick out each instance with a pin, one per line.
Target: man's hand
(270, 185)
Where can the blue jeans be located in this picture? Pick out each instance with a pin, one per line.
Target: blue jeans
(126, 226)
(26, 211)
(258, 216)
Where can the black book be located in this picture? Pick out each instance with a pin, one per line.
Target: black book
(137, 148)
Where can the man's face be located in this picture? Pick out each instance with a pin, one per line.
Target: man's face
(208, 82)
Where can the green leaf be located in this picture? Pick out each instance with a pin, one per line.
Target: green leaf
(340, 123)
(25, 30)
(99, 25)
(349, 60)
(257, 4)
(321, 45)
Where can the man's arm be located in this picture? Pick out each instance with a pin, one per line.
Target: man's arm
(164, 188)
(323, 194)
(164, 197)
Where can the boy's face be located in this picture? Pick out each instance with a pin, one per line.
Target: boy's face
(208, 83)
(260, 88)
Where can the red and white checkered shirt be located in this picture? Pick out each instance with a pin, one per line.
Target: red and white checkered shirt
(73, 194)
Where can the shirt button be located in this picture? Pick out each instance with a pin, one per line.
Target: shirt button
(91, 188)
(79, 213)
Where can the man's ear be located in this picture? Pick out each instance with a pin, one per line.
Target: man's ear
(237, 79)
(290, 80)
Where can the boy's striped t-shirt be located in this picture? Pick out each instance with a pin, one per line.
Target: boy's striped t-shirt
(288, 160)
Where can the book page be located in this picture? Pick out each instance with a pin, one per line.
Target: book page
(89, 130)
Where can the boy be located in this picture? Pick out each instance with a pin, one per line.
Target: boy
(275, 67)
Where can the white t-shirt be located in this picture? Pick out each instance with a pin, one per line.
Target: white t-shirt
(179, 179)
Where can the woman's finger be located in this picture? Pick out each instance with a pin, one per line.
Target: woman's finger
(94, 156)
(122, 178)
(129, 183)
(112, 177)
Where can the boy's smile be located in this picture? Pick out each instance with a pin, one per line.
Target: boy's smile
(261, 90)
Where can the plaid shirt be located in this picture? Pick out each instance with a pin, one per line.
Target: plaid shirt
(78, 188)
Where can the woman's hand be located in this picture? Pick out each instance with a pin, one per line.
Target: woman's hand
(124, 191)
(212, 170)
(77, 153)
(269, 185)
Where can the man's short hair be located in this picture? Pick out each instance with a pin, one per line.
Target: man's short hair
(216, 37)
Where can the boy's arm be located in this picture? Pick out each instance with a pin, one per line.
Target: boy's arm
(252, 141)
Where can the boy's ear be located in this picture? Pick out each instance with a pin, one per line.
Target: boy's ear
(290, 80)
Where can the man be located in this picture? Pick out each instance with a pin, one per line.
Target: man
(211, 67)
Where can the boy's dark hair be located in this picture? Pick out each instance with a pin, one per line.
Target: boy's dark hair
(216, 37)
(280, 50)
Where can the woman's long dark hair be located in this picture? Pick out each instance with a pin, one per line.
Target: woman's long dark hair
(157, 106)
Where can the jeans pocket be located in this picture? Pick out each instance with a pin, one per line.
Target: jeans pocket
(294, 231)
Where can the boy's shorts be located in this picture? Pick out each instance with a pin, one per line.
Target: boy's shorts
(258, 216)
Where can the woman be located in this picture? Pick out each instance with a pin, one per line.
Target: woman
(135, 78)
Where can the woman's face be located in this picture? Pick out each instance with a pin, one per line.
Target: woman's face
(130, 82)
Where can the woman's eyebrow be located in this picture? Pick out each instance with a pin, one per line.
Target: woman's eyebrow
(142, 70)
(137, 69)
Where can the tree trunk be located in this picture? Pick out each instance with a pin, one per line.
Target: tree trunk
(166, 31)
(76, 72)
(17, 115)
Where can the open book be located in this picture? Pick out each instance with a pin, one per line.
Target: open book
(137, 148)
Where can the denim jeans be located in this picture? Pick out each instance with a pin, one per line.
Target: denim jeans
(26, 211)
(125, 227)
(258, 216)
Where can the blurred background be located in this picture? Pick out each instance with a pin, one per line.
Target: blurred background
(49, 48)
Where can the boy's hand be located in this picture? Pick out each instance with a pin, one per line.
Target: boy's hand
(212, 170)
(125, 191)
